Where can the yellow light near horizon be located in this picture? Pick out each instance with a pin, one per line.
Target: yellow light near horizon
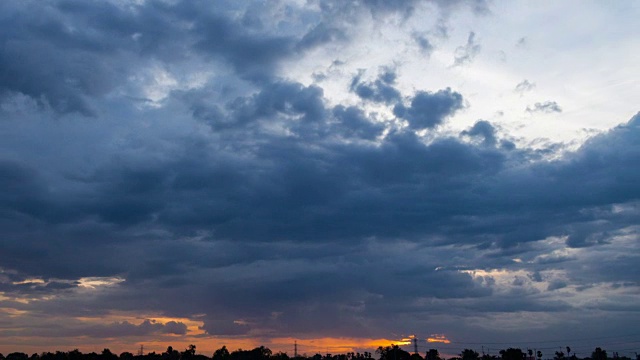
(29, 281)
(15, 299)
(11, 312)
(95, 282)
(438, 338)
(336, 345)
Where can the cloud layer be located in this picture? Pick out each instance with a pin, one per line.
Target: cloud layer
(177, 159)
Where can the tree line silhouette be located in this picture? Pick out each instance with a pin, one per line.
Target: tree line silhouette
(392, 352)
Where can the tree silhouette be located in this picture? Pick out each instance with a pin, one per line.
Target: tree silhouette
(108, 355)
(282, 356)
(221, 354)
(432, 354)
(468, 354)
(189, 352)
(171, 354)
(17, 356)
(599, 354)
(393, 352)
(126, 356)
(259, 353)
(512, 354)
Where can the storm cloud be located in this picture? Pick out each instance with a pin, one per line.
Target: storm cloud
(179, 160)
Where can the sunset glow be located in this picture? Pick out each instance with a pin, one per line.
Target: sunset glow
(336, 345)
(438, 338)
(96, 282)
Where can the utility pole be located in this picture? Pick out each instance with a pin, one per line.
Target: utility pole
(415, 345)
(295, 349)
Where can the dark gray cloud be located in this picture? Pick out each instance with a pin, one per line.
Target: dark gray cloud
(423, 42)
(545, 107)
(260, 204)
(381, 90)
(251, 55)
(63, 68)
(31, 289)
(379, 6)
(428, 110)
(110, 330)
(355, 124)
(147, 327)
(443, 192)
(484, 130)
(280, 99)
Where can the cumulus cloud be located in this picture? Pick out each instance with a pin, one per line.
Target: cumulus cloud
(381, 90)
(524, 86)
(428, 110)
(546, 107)
(355, 123)
(465, 54)
(484, 130)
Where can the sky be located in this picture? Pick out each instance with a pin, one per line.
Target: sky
(340, 174)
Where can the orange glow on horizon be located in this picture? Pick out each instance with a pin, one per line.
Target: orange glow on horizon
(333, 345)
(204, 344)
(159, 342)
